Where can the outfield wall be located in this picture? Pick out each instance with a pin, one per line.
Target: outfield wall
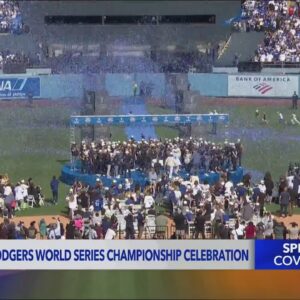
(216, 85)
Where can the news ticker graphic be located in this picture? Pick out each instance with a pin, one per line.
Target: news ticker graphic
(277, 255)
(126, 255)
(150, 255)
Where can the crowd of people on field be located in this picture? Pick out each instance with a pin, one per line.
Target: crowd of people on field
(18, 196)
(10, 20)
(164, 208)
(171, 209)
(280, 20)
(157, 156)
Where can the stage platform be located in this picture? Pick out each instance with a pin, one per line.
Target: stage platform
(69, 175)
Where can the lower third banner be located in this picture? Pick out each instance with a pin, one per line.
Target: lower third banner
(277, 254)
(126, 255)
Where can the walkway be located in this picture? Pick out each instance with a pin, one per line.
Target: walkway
(136, 106)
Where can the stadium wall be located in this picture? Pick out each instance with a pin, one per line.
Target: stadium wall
(72, 86)
(121, 84)
(209, 84)
(62, 86)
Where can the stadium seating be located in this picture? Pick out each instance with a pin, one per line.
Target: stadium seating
(280, 21)
(10, 17)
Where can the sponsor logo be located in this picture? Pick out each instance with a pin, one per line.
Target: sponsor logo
(76, 121)
(263, 78)
(263, 88)
(12, 84)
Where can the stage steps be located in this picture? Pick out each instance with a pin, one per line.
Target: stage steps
(137, 106)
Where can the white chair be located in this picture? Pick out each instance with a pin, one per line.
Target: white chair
(137, 207)
(231, 223)
(121, 222)
(191, 229)
(2, 203)
(31, 201)
(208, 230)
(135, 226)
(41, 200)
(150, 227)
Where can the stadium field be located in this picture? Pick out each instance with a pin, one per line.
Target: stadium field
(37, 139)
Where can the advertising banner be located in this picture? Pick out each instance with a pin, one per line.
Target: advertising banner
(127, 255)
(149, 119)
(261, 86)
(19, 87)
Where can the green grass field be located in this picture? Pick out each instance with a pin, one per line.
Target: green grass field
(35, 142)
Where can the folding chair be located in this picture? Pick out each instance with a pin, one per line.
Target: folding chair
(31, 201)
(191, 229)
(150, 227)
(208, 230)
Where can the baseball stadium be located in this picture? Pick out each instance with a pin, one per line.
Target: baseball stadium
(142, 120)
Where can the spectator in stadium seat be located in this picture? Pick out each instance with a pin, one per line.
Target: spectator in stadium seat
(83, 199)
(70, 228)
(279, 230)
(148, 200)
(199, 224)
(180, 224)
(97, 218)
(247, 211)
(250, 231)
(224, 231)
(19, 194)
(293, 231)
(129, 225)
(151, 211)
(260, 229)
(110, 234)
(239, 231)
(141, 219)
(153, 176)
(268, 225)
